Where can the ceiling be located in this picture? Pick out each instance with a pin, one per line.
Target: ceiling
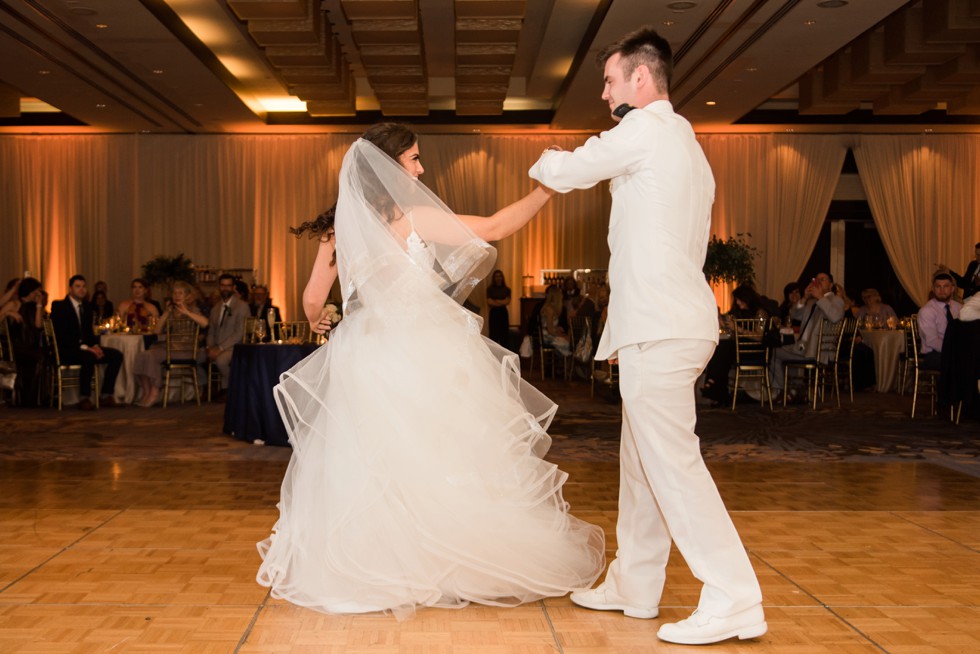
(234, 66)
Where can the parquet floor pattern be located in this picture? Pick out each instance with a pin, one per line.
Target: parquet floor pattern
(134, 531)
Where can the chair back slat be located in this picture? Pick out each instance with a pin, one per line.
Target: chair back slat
(6, 342)
(182, 342)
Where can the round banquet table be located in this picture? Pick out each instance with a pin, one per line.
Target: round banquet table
(888, 345)
(251, 412)
(130, 345)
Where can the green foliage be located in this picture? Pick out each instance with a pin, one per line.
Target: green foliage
(730, 260)
(165, 270)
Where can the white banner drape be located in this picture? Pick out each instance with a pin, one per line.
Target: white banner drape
(923, 195)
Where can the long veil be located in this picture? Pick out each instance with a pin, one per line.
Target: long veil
(375, 194)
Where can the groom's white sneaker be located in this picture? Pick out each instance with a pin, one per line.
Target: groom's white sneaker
(601, 598)
(702, 628)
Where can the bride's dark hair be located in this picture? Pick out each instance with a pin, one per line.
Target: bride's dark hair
(391, 138)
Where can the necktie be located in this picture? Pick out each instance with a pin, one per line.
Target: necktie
(226, 312)
(949, 314)
(78, 314)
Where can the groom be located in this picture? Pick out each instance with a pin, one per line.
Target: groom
(663, 328)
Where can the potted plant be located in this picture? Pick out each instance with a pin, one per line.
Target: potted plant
(730, 260)
(163, 271)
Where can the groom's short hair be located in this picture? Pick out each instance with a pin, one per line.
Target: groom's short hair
(642, 47)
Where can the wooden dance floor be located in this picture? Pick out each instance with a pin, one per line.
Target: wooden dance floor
(131, 530)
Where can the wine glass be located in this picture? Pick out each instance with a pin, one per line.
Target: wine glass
(260, 331)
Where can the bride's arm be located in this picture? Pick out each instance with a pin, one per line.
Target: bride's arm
(322, 277)
(511, 218)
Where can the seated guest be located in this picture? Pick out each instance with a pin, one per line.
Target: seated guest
(746, 303)
(148, 368)
(137, 312)
(578, 308)
(874, 311)
(241, 290)
(77, 344)
(260, 307)
(820, 304)
(24, 313)
(102, 287)
(934, 317)
(226, 327)
(101, 307)
(791, 310)
(551, 332)
(602, 306)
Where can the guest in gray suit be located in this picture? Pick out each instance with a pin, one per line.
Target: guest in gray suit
(227, 325)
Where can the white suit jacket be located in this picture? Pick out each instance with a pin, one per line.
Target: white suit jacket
(662, 190)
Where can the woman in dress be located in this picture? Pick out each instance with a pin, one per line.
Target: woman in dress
(137, 312)
(498, 297)
(551, 331)
(147, 369)
(874, 312)
(416, 477)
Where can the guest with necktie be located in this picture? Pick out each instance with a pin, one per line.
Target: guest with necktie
(934, 316)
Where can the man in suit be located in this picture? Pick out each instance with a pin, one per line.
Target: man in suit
(260, 307)
(226, 327)
(662, 328)
(820, 302)
(970, 280)
(78, 345)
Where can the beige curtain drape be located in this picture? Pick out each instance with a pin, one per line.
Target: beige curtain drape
(923, 194)
(778, 189)
(104, 205)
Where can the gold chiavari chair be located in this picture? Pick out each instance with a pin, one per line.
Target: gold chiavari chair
(924, 380)
(181, 361)
(249, 334)
(752, 358)
(828, 336)
(8, 367)
(831, 371)
(65, 375)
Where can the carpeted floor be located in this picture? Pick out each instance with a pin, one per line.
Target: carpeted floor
(876, 426)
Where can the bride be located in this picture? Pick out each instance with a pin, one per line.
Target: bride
(417, 476)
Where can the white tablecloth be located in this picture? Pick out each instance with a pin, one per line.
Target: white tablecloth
(130, 345)
(888, 345)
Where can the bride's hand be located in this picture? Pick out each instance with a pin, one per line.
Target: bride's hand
(322, 324)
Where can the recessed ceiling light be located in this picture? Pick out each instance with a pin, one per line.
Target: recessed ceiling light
(100, 106)
(751, 69)
(102, 26)
(711, 103)
(158, 71)
(831, 4)
(668, 23)
(681, 6)
(44, 72)
(809, 22)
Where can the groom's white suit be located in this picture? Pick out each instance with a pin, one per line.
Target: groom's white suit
(663, 327)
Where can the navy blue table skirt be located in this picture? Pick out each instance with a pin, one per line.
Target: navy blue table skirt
(251, 411)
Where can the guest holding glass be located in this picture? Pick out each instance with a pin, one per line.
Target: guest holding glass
(148, 367)
(137, 312)
(498, 297)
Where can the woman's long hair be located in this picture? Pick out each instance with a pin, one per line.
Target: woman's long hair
(391, 138)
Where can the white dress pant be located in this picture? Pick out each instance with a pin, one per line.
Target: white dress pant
(665, 490)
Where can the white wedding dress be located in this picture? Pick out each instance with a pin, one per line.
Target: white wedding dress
(416, 477)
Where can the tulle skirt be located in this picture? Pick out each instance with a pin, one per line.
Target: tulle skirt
(417, 476)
